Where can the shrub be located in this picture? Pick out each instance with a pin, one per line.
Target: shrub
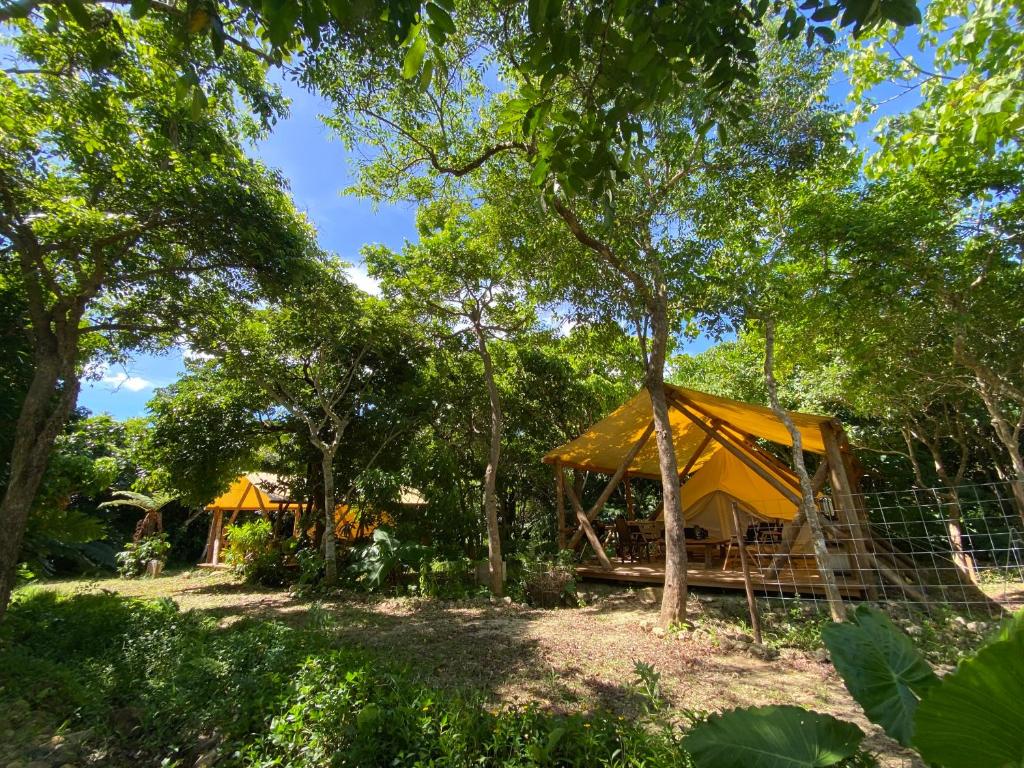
(544, 581)
(254, 555)
(133, 559)
(381, 562)
(150, 683)
(447, 579)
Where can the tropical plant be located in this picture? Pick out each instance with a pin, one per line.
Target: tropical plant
(254, 554)
(134, 559)
(377, 564)
(447, 579)
(151, 506)
(974, 716)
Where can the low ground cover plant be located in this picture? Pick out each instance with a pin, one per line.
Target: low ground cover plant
(150, 685)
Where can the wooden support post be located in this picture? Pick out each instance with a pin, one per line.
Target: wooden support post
(842, 495)
(218, 521)
(630, 511)
(755, 619)
(736, 451)
(693, 459)
(208, 549)
(588, 529)
(820, 475)
(560, 504)
(610, 488)
(738, 437)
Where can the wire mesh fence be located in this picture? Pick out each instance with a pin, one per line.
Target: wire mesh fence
(934, 549)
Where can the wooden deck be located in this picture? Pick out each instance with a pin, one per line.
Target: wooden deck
(788, 581)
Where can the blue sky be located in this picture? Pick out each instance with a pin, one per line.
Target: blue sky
(317, 168)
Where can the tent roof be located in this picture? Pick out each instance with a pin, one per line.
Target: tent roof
(604, 446)
(724, 473)
(256, 490)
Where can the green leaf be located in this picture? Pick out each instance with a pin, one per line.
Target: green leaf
(425, 75)
(902, 12)
(139, 8)
(975, 716)
(441, 19)
(772, 737)
(881, 668)
(536, 12)
(414, 56)
(79, 12)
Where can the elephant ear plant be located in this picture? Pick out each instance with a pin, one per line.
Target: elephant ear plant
(970, 718)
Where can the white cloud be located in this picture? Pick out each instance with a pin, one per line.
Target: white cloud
(122, 380)
(357, 274)
(190, 353)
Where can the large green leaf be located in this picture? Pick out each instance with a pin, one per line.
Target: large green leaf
(882, 669)
(975, 716)
(772, 737)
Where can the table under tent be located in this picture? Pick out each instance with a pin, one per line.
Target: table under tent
(734, 492)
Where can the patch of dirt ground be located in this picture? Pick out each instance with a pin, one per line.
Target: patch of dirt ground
(566, 659)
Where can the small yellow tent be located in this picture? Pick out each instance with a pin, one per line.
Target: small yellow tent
(255, 491)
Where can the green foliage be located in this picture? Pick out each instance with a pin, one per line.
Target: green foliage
(881, 668)
(447, 579)
(204, 432)
(543, 580)
(133, 560)
(772, 737)
(152, 681)
(254, 554)
(647, 682)
(975, 716)
(379, 563)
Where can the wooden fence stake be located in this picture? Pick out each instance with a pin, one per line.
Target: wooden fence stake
(755, 619)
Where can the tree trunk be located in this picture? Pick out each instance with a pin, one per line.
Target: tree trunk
(673, 601)
(330, 546)
(808, 505)
(1010, 438)
(491, 474)
(954, 530)
(52, 394)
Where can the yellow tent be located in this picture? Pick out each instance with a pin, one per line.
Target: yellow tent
(256, 491)
(604, 446)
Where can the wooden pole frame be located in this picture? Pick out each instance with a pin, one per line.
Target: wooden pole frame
(586, 528)
(716, 433)
(610, 487)
(737, 435)
(560, 504)
(842, 496)
(828, 575)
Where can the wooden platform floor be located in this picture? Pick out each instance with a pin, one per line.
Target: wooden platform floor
(787, 581)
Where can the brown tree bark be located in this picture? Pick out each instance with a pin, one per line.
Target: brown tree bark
(808, 505)
(51, 396)
(329, 541)
(673, 601)
(494, 559)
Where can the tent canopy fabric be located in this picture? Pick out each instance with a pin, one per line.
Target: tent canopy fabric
(252, 492)
(724, 473)
(604, 446)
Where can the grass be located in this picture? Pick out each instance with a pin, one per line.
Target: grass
(165, 671)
